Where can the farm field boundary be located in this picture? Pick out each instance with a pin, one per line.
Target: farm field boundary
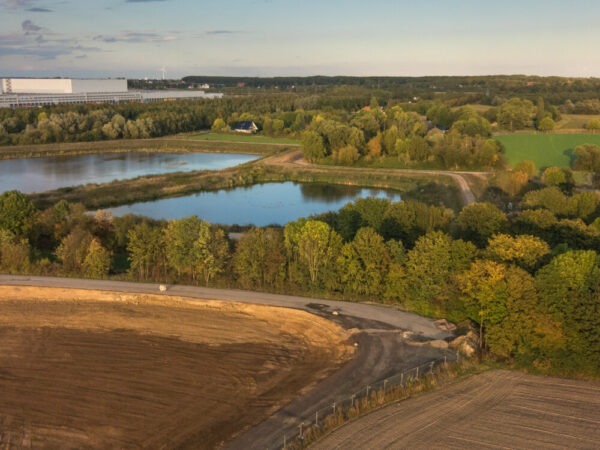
(494, 409)
(551, 149)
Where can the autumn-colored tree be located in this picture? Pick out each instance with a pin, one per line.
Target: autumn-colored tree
(146, 249)
(318, 246)
(73, 249)
(546, 124)
(559, 177)
(14, 253)
(219, 125)
(503, 301)
(210, 251)
(96, 263)
(526, 251)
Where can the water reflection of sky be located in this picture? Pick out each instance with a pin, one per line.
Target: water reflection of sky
(260, 205)
(43, 174)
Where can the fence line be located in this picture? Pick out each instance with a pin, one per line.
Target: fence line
(344, 407)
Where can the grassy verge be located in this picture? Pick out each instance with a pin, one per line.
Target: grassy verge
(544, 149)
(160, 145)
(245, 138)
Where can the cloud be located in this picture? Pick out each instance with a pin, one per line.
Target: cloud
(31, 43)
(16, 4)
(45, 52)
(217, 32)
(135, 37)
(29, 27)
(27, 5)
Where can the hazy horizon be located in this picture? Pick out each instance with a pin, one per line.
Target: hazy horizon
(137, 38)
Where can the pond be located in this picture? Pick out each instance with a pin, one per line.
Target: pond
(44, 174)
(260, 204)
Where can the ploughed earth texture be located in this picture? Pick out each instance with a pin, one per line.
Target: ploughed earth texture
(81, 369)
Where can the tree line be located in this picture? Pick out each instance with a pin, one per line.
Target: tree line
(530, 278)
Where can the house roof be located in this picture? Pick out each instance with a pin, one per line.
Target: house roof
(246, 125)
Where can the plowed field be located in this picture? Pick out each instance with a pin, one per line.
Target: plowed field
(494, 410)
(81, 369)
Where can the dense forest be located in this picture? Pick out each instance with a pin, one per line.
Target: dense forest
(530, 277)
(515, 102)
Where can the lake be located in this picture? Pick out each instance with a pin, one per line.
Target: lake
(260, 204)
(44, 174)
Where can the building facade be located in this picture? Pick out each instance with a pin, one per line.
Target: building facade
(34, 92)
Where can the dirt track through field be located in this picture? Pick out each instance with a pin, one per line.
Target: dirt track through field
(83, 369)
(295, 158)
(498, 409)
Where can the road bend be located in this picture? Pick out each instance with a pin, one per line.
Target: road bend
(382, 349)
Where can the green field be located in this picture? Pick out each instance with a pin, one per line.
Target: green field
(246, 138)
(544, 149)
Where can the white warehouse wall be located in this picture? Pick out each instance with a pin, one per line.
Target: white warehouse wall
(61, 86)
(36, 86)
(80, 86)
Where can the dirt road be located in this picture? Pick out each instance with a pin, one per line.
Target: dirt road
(376, 329)
(494, 410)
(295, 158)
(391, 316)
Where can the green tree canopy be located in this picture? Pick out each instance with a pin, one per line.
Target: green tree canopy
(478, 222)
(259, 259)
(313, 146)
(431, 268)
(516, 114)
(363, 263)
(569, 288)
(318, 246)
(16, 212)
(146, 249)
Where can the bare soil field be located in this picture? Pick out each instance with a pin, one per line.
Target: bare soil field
(83, 369)
(497, 409)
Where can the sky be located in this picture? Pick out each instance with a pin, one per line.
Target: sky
(140, 38)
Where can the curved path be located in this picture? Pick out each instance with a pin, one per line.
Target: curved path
(295, 158)
(382, 349)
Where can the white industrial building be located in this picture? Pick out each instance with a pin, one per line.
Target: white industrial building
(30, 92)
(62, 85)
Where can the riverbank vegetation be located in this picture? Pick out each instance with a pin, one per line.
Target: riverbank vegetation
(173, 144)
(425, 187)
